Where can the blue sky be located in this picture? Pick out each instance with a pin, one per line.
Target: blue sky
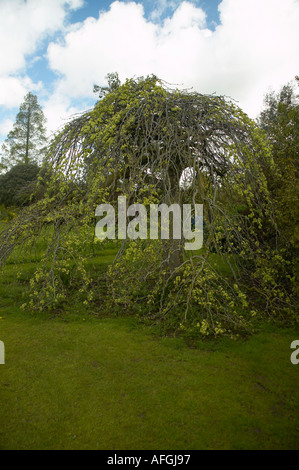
(59, 48)
(91, 8)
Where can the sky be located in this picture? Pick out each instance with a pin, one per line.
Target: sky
(58, 49)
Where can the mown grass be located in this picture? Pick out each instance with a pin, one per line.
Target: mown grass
(83, 381)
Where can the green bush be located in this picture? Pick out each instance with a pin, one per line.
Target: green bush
(18, 184)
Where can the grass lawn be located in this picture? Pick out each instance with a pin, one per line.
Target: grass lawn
(107, 384)
(82, 382)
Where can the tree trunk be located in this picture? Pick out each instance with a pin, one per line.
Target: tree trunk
(173, 251)
(27, 160)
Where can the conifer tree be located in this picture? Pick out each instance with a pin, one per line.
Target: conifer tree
(26, 142)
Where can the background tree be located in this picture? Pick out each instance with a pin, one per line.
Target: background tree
(280, 121)
(26, 142)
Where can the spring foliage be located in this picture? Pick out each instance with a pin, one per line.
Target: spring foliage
(139, 141)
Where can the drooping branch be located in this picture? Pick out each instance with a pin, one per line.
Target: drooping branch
(139, 141)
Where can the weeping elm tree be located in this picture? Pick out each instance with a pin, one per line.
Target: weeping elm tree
(26, 142)
(141, 141)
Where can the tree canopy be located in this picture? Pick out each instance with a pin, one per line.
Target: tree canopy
(139, 141)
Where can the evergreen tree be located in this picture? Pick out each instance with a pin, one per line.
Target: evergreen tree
(26, 142)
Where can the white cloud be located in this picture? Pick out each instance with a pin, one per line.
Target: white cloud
(6, 126)
(161, 6)
(254, 47)
(185, 17)
(58, 111)
(123, 40)
(23, 26)
(13, 90)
